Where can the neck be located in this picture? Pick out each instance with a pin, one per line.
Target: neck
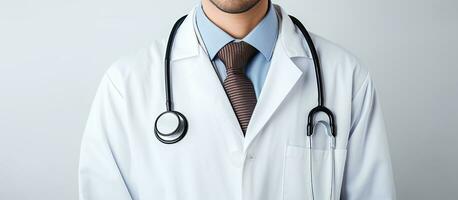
(237, 25)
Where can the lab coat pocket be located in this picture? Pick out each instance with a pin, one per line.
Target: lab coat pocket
(313, 171)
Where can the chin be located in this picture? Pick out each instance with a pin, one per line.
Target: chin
(235, 6)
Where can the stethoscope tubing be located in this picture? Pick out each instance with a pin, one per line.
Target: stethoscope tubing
(316, 60)
(168, 88)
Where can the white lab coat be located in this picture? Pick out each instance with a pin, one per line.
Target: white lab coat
(122, 160)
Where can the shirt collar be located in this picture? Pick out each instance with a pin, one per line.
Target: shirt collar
(263, 37)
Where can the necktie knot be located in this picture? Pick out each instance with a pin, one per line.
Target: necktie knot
(236, 55)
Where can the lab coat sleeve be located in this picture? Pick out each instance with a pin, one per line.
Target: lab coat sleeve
(368, 172)
(100, 176)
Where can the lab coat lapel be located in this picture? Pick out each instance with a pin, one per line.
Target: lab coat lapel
(281, 78)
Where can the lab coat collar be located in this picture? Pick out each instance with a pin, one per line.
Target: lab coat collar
(186, 43)
(291, 37)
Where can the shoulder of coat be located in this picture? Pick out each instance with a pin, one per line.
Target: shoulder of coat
(340, 60)
(138, 63)
(330, 51)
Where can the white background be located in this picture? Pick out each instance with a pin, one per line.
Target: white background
(54, 52)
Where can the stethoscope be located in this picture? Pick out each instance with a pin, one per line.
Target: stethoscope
(171, 126)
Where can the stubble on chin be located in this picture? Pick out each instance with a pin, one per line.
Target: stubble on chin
(234, 6)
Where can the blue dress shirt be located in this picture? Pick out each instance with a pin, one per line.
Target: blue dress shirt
(263, 37)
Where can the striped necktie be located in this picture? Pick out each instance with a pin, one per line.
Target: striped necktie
(240, 90)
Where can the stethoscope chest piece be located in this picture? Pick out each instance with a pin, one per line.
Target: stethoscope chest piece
(170, 127)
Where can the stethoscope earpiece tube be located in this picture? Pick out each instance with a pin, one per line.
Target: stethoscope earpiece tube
(331, 143)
